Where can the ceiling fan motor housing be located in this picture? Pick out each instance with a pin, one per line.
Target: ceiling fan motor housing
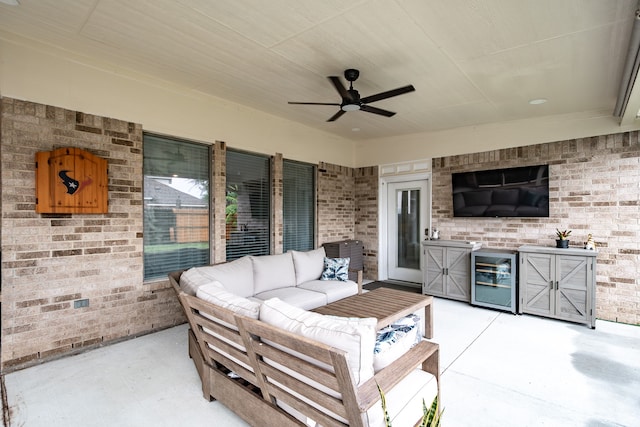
(351, 74)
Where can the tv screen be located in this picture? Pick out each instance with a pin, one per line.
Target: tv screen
(512, 192)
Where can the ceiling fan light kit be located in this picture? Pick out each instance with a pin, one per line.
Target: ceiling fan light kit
(351, 100)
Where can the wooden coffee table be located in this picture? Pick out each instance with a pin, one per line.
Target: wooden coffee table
(385, 304)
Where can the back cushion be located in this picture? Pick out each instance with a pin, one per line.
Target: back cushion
(356, 336)
(308, 265)
(236, 276)
(194, 278)
(273, 272)
(220, 297)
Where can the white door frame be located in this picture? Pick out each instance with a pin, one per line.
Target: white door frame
(383, 258)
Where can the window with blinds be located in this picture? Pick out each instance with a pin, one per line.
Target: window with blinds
(248, 204)
(176, 205)
(298, 204)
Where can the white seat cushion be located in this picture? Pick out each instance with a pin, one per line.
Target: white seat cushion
(308, 265)
(301, 298)
(273, 272)
(333, 289)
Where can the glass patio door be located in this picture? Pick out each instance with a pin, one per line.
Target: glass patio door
(407, 217)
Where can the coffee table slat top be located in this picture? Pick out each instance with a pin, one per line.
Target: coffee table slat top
(385, 304)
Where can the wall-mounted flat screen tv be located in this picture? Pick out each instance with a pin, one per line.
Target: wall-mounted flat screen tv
(512, 192)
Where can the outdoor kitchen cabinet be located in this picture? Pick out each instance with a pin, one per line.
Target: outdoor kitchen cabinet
(447, 268)
(558, 283)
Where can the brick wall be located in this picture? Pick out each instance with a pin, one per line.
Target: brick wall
(366, 219)
(277, 216)
(51, 260)
(219, 188)
(593, 189)
(336, 203)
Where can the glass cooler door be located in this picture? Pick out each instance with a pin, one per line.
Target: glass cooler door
(493, 280)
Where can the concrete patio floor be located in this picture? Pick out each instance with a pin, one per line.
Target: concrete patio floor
(498, 370)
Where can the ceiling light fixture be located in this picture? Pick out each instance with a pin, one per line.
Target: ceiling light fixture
(537, 101)
(11, 2)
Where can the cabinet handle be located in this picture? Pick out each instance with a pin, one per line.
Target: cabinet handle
(551, 284)
(556, 285)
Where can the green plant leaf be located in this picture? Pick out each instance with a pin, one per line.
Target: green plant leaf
(387, 420)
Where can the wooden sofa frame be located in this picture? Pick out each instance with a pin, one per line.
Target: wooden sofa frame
(232, 354)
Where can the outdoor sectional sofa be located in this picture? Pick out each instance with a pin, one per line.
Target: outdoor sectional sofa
(261, 352)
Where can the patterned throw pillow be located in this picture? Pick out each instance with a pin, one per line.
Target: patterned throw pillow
(336, 269)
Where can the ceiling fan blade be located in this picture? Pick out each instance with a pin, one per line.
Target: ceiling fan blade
(344, 93)
(336, 116)
(374, 110)
(314, 103)
(387, 94)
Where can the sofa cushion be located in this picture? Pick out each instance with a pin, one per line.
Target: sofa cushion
(356, 336)
(216, 294)
(308, 265)
(193, 278)
(273, 272)
(236, 276)
(296, 296)
(332, 289)
(335, 269)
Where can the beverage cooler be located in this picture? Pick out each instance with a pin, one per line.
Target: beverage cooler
(493, 279)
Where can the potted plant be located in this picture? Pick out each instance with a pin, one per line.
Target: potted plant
(430, 414)
(562, 240)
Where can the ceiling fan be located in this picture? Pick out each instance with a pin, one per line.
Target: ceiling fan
(351, 100)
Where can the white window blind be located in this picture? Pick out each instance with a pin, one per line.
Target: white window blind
(176, 205)
(248, 204)
(298, 205)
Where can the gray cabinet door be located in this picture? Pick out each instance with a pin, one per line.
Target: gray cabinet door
(434, 278)
(558, 283)
(537, 275)
(573, 274)
(458, 269)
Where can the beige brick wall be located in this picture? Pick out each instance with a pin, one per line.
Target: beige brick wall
(366, 219)
(277, 216)
(51, 260)
(348, 209)
(336, 203)
(593, 189)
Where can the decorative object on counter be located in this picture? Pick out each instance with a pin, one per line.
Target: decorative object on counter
(563, 238)
(436, 234)
(590, 244)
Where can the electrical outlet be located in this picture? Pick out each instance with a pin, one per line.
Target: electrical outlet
(81, 303)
